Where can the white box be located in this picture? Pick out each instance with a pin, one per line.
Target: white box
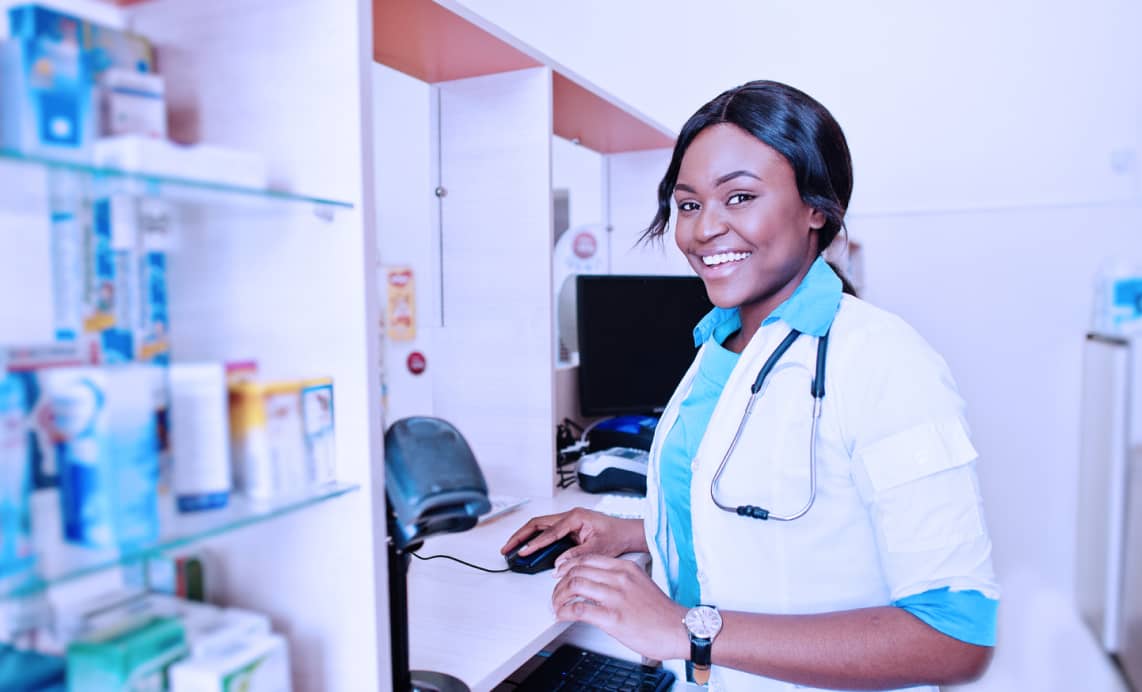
(258, 663)
(132, 103)
(138, 154)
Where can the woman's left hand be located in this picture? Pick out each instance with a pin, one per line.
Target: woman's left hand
(618, 597)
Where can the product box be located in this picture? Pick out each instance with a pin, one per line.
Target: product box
(320, 440)
(103, 47)
(188, 575)
(103, 422)
(282, 437)
(27, 365)
(70, 231)
(135, 657)
(211, 636)
(16, 553)
(124, 310)
(200, 436)
(28, 670)
(48, 100)
(241, 664)
(132, 103)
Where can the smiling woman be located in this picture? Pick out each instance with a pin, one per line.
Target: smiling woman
(872, 567)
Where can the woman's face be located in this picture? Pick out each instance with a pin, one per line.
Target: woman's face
(741, 222)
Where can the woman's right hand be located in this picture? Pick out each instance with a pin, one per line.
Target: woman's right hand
(594, 532)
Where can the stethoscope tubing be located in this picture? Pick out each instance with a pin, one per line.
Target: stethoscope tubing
(817, 390)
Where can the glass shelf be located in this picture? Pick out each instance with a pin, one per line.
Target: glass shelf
(188, 189)
(59, 562)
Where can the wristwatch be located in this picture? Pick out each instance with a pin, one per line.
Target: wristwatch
(703, 622)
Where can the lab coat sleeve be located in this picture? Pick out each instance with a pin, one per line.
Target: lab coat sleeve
(914, 465)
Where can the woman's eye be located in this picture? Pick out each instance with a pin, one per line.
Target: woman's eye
(687, 206)
(739, 198)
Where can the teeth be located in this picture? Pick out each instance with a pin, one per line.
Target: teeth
(723, 257)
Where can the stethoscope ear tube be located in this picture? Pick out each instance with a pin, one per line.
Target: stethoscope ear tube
(772, 360)
(817, 389)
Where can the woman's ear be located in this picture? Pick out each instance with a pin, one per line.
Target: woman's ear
(816, 219)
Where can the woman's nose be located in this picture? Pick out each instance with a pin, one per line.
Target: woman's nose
(711, 224)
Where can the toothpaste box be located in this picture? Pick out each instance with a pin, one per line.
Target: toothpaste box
(103, 422)
(124, 309)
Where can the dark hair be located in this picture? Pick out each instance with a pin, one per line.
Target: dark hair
(797, 127)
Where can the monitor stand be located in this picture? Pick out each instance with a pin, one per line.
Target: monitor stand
(405, 680)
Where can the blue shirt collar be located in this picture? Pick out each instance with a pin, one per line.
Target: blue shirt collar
(810, 310)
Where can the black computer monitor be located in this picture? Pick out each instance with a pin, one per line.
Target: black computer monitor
(635, 338)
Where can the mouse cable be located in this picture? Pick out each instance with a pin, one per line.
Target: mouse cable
(456, 559)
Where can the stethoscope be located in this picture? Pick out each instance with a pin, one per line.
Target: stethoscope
(817, 389)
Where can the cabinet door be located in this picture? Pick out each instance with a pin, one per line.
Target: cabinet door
(1130, 651)
(1102, 470)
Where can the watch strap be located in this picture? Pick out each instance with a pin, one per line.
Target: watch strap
(700, 651)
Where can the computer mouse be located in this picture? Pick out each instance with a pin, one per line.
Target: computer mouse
(542, 559)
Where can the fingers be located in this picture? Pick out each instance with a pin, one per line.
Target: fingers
(583, 611)
(591, 585)
(552, 526)
(582, 556)
(524, 532)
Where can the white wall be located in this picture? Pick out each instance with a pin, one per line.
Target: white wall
(578, 170)
(969, 104)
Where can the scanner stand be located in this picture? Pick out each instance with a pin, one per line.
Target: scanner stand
(405, 680)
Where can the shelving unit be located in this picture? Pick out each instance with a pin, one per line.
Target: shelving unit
(59, 562)
(205, 192)
(283, 276)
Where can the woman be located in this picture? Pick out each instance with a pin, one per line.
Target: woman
(872, 566)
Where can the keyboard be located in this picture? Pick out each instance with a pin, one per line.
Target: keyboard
(622, 506)
(502, 504)
(571, 668)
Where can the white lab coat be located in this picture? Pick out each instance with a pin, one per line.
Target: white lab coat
(898, 508)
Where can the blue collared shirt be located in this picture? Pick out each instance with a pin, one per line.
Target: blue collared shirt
(810, 310)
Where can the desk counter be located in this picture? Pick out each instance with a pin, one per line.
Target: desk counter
(477, 626)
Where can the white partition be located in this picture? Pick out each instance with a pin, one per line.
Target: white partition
(408, 227)
(494, 370)
(633, 188)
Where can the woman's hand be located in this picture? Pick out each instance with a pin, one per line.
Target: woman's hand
(618, 597)
(595, 533)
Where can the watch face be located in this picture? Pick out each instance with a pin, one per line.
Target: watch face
(703, 622)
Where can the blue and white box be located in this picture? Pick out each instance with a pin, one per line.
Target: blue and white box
(16, 553)
(102, 47)
(107, 444)
(46, 99)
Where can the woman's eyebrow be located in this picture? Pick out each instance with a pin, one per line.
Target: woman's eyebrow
(683, 187)
(736, 174)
